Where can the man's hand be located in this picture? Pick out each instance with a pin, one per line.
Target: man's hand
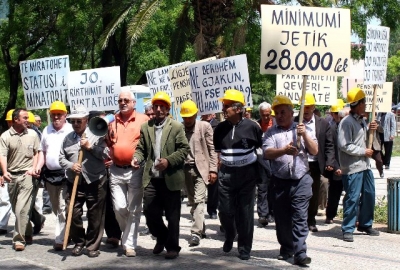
(135, 164)
(1, 181)
(373, 125)
(391, 138)
(7, 177)
(291, 150)
(32, 172)
(338, 172)
(85, 143)
(329, 168)
(369, 152)
(212, 177)
(77, 168)
(301, 129)
(162, 164)
(108, 163)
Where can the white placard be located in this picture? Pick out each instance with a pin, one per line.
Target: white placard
(45, 80)
(209, 81)
(376, 54)
(158, 79)
(180, 82)
(324, 88)
(305, 40)
(97, 89)
(383, 96)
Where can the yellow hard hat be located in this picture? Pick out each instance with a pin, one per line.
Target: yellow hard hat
(233, 95)
(340, 102)
(310, 100)
(31, 118)
(281, 100)
(188, 108)
(249, 109)
(336, 108)
(355, 94)
(9, 115)
(161, 96)
(58, 106)
(272, 113)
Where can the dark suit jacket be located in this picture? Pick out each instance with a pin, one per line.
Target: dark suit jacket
(326, 151)
(174, 148)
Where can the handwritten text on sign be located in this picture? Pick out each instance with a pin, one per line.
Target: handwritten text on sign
(383, 97)
(324, 88)
(158, 79)
(376, 54)
(209, 81)
(305, 40)
(45, 80)
(180, 82)
(96, 89)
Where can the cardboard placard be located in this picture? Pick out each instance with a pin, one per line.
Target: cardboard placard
(383, 99)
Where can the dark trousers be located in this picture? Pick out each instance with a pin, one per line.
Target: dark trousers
(313, 206)
(388, 146)
(46, 200)
(334, 192)
(35, 216)
(236, 204)
(111, 225)
(94, 195)
(212, 197)
(291, 204)
(377, 156)
(157, 198)
(263, 208)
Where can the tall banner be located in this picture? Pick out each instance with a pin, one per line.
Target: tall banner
(324, 88)
(376, 54)
(210, 80)
(305, 40)
(97, 89)
(45, 80)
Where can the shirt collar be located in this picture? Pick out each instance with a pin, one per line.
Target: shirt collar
(312, 120)
(13, 132)
(132, 117)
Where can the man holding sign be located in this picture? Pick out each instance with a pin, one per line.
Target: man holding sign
(354, 162)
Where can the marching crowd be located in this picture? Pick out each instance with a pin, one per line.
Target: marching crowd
(145, 160)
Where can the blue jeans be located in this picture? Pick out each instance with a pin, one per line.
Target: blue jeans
(356, 184)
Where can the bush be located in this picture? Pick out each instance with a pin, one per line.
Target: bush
(380, 213)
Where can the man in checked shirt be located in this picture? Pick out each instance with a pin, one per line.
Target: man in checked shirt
(290, 173)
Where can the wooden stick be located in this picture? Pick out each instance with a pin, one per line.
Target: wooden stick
(372, 132)
(301, 114)
(72, 201)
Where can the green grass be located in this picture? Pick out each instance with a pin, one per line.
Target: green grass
(396, 147)
(380, 213)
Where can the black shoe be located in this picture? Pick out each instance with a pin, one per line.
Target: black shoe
(39, 227)
(171, 255)
(348, 237)
(370, 231)
(244, 255)
(263, 221)
(77, 250)
(213, 216)
(194, 241)
(145, 232)
(3, 232)
(93, 253)
(387, 167)
(47, 211)
(158, 248)
(270, 219)
(313, 228)
(284, 256)
(227, 246)
(303, 261)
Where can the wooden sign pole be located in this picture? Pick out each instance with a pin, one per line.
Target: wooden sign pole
(303, 100)
(371, 132)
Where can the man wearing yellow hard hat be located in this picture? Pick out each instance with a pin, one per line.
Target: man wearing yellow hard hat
(236, 140)
(289, 169)
(200, 166)
(357, 178)
(163, 149)
(323, 162)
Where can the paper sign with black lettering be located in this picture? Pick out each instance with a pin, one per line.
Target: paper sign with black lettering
(97, 89)
(45, 80)
(180, 82)
(376, 54)
(210, 80)
(324, 88)
(158, 79)
(383, 96)
(305, 40)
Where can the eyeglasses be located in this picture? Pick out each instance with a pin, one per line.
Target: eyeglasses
(73, 121)
(123, 100)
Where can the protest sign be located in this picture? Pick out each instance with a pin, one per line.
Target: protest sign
(158, 79)
(97, 89)
(45, 80)
(209, 80)
(383, 99)
(376, 54)
(180, 82)
(305, 40)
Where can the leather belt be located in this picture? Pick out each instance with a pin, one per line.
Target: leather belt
(123, 166)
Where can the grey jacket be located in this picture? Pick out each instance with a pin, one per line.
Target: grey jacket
(389, 125)
(93, 167)
(352, 137)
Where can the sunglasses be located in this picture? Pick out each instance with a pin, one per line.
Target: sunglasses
(76, 121)
(123, 100)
